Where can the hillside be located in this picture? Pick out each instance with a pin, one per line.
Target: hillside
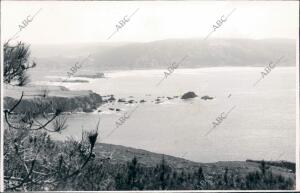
(135, 169)
(160, 54)
(122, 155)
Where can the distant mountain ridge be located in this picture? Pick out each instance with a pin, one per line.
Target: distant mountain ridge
(160, 54)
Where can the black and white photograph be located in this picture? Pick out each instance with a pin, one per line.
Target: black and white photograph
(149, 96)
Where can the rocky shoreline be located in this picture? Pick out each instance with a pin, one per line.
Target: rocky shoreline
(83, 101)
(159, 99)
(113, 103)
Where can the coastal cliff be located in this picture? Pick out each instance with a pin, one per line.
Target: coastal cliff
(56, 98)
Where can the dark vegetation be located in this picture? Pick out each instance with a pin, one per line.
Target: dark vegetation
(33, 161)
(109, 173)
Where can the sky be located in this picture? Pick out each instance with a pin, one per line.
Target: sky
(65, 22)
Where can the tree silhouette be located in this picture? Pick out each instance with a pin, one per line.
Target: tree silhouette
(163, 173)
(132, 173)
(16, 63)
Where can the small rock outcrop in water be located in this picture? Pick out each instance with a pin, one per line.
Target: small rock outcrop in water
(142, 101)
(112, 98)
(206, 97)
(189, 95)
(157, 101)
(131, 101)
(122, 100)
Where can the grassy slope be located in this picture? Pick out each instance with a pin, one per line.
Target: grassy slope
(122, 154)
